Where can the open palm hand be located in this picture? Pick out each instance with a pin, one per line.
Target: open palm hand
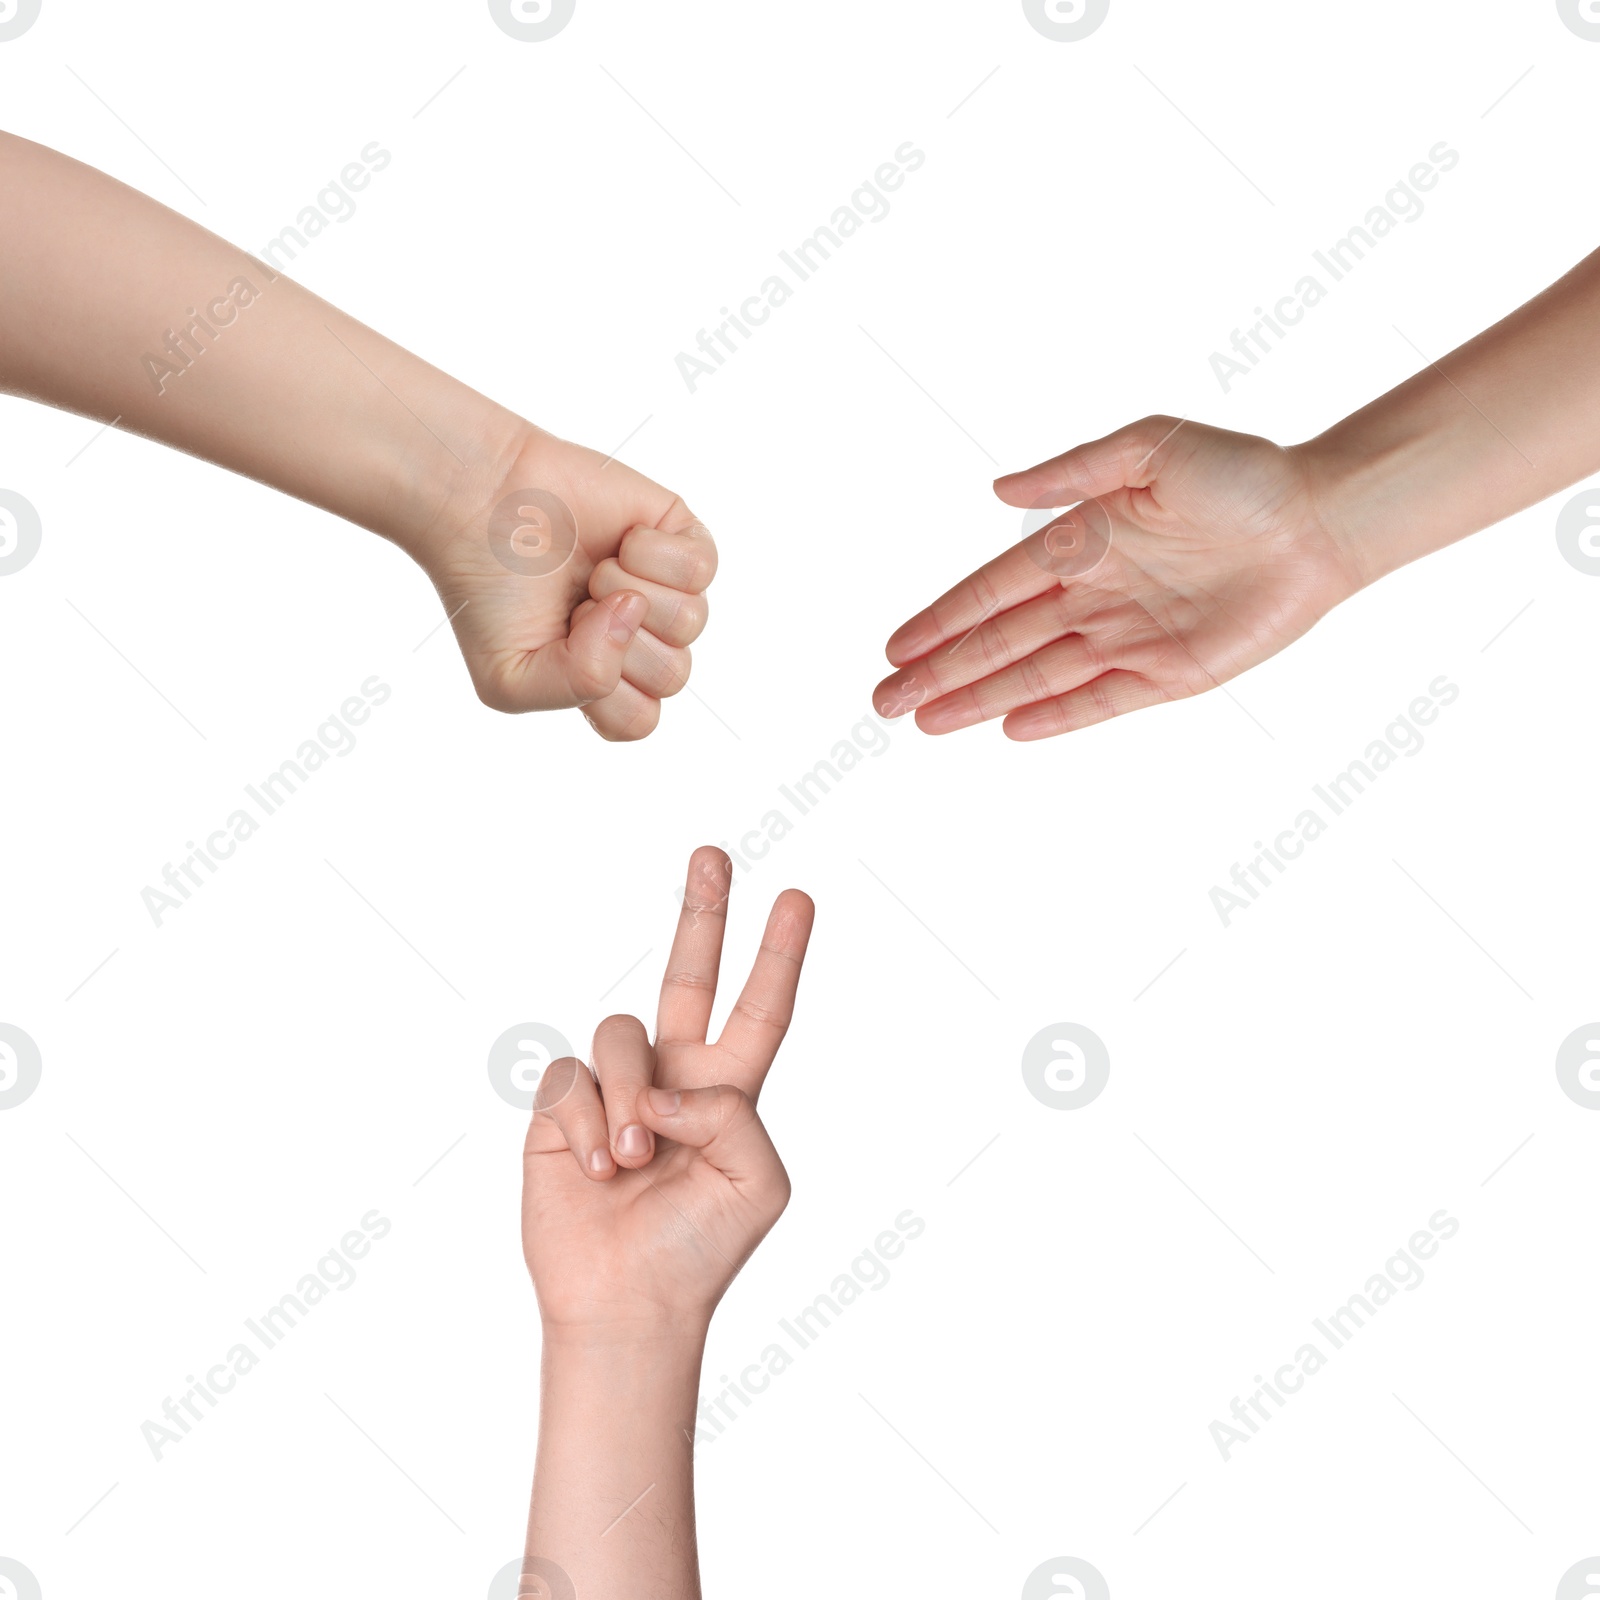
(1194, 554)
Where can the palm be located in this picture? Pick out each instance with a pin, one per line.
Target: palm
(1190, 559)
(1210, 572)
(636, 1248)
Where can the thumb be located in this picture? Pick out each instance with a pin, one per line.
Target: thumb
(721, 1123)
(1130, 458)
(587, 664)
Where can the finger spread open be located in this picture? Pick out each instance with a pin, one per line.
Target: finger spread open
(690, 986)
(760, 1018)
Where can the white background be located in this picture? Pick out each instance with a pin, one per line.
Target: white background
(1289, 1101)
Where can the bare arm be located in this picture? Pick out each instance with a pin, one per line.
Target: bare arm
(571, 580)
(117, 307)
(1191, 554)
(1493, 427)
(613, 1489)
(646, 1185)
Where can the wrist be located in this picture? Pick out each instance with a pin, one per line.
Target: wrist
(613, 1504)
(661, 1345)
(1363, 489)
(621, 1385)
(440, 495)
(1419, 468)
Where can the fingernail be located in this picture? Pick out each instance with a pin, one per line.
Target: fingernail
(665, 1102)
(599, 1161)
(633, 1140)
(622, 624)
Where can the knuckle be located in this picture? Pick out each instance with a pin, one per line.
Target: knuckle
(703, 553)
(556, 1082)
(754, 1011)
(1060, 717)
(1158, 423)
(730, 1106)
(690, 982)
(1145, 443)
(607, 575)
(674, 674)
(982, 589)
(994, 647)
(1032, 679)
(589, 687)
(637, 725)
(594, 673)
(634, 545)
(688, 620)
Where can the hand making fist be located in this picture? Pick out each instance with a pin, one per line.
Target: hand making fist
(578, 583)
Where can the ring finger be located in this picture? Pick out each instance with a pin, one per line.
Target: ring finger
(653, 668)
(675, 617)
(985, 650)
(568, 1104)
(625, 1064)
(1058, 668)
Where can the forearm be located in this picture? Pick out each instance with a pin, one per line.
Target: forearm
(1493, 427)
(613, 1491)
(115, 307)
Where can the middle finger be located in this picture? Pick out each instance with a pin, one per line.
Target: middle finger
(989, 648)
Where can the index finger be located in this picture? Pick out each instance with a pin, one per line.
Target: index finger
(677, 550)
(689, 985)
(996, 586)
